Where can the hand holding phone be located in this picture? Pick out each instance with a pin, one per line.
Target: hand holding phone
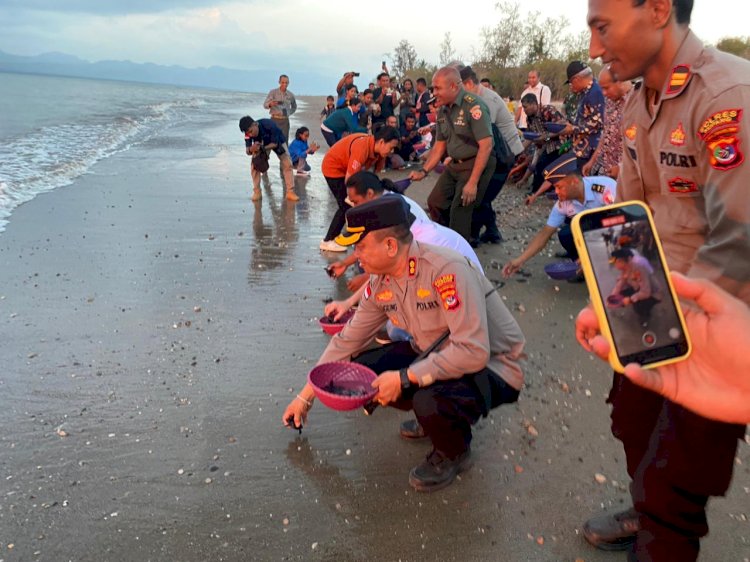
(631, 293)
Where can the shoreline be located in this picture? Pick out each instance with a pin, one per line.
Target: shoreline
(156, 323)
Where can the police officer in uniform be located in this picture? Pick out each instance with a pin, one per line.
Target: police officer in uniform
(575, 194)
(427, 291)
(684, 137)
(464, 132)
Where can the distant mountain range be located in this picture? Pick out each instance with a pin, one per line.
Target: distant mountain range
(61, 64)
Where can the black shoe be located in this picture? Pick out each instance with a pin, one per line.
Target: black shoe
(613, 531)
(491, 237)
(438, 471)
(563, 254)
(412, 429)
(579, 278)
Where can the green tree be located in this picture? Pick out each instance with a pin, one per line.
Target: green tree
(739, 46)
(447, 52)
(404, 57)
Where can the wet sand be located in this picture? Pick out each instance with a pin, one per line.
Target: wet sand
(155, 325)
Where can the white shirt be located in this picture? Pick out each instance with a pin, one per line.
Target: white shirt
(425, 230)
(543, 97)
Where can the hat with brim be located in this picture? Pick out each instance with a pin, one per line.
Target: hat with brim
(574, 68)
(384, 212)
(563, 166)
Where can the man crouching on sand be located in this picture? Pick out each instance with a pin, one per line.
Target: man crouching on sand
(430, 292)
(265, 135)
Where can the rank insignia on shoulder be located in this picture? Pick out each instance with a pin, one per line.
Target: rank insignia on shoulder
(412, 267)
(678, 79)
(469, 98)
(386, 295)
(598, 188)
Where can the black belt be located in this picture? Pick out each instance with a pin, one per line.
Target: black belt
(464, 160)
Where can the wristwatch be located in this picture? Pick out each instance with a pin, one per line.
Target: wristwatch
(425, 172)
(406, 384)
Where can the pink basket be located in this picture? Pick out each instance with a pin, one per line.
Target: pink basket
(332, 328)
(341, 385)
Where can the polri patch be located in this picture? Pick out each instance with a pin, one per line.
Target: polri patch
(682, 185)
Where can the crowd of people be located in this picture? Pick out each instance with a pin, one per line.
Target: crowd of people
(657, 125)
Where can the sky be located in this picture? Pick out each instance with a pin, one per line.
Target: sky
(287, 35)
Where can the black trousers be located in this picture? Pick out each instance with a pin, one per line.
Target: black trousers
(677, 460)
(565, 235)
(445, 409)
(338, 189)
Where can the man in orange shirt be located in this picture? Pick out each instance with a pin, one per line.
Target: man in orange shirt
(348, 156)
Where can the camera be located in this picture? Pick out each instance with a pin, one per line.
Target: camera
(355, 73)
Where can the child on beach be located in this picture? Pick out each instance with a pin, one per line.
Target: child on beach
(261, 137)
(329, 108)
(299, 150)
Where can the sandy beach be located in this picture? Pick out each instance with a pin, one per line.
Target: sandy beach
(155, 323)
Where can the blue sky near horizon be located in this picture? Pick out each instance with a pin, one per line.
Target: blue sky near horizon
(287, 35)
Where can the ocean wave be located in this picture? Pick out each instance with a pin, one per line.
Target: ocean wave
(56, 155)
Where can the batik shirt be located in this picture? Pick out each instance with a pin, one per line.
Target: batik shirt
(611, 152)
(589, 121)
(535, 123)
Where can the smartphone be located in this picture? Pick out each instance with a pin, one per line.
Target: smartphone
(629, 284)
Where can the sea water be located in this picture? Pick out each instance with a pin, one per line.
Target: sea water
(54, 129)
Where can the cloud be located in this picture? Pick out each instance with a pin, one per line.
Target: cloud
(105, 7)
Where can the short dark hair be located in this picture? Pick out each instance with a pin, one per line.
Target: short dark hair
(367, 91)
(400, 232)
(362, 181)
(682, 9)
(410, 115)
(245, 123)
(329, 98)
(422, 81)
(383, 74)
(350, 87)
(283, 76)
(387, 134)
(301, 131)
(354, 101)
(622, 253)
(529, 98)
(487, 80)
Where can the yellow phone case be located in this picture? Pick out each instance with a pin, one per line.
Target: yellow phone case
(596, 298)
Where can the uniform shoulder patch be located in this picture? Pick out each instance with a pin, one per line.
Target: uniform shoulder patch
(476, 112)
(469, 98)
(412, 267)
(720, 133)
(368, 291)
(446, 287)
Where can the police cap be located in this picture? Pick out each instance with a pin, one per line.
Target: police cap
(380, 213)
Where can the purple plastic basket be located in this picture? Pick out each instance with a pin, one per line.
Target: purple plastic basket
(615, 301)
(554, 127)
(531, 135)
(332, 328)
(561, 270)
(439, 168)
(401, 185)
(345, 377)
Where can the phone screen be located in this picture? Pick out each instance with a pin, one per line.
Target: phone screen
(632, 281)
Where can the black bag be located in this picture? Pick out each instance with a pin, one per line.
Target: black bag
(260, 161)
(502, 151)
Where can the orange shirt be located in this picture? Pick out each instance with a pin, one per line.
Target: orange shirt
(350, 155)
